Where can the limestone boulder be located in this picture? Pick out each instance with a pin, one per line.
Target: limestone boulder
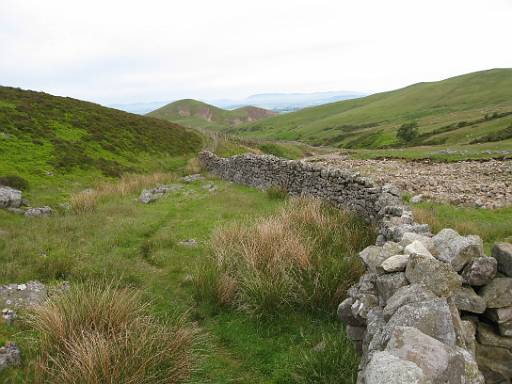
(406, 295)
(479, 271)
(439, 362)
(9, 356)
(436, 275)
(23, 295)
(431, 317)
(502, 252)
(10, 197)
(385, 368)
(498, 293)
(455, 249)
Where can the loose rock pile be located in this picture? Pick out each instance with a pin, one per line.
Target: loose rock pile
(429, 309)
(466, 183)
(11, 199)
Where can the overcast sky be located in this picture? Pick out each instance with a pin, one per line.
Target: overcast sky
(112, 51)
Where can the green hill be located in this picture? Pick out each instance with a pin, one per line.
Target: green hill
(44, 136)
(196, 114)
(475, 107)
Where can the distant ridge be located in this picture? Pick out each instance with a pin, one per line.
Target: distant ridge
(196, 114)
(471, 108)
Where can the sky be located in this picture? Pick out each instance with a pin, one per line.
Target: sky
(112, 51)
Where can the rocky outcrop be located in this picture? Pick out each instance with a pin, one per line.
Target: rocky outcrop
(150, 195)
(430, 308)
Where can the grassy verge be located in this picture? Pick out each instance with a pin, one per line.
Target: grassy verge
(490, 225)
(139, 247)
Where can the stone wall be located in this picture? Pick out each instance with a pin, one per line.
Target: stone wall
(430, 308)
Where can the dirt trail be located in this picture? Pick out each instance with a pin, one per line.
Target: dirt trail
(467, 183)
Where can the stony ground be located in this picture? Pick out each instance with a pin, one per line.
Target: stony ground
(467, 183)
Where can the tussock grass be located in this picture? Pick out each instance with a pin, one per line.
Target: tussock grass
(99, 334)
(277, 193)
(87, 200)
(301, 258)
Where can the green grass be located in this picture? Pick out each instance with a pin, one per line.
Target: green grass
(491, 225)
(199, 115)
(138, 245)
(458, 110)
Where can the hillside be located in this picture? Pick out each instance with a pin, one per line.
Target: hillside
(196, 114)
(475, 107)
(43, 135)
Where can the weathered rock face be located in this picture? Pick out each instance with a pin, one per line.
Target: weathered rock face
(384, 368)
(457, 250)
(498, 293)
(480, 271)
(9, 197)
(502, 252)
(436, 275)
(418, 326)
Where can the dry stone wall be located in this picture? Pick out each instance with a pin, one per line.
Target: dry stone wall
(430, 308)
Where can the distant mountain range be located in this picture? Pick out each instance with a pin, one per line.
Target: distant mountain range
(287, 102)
(277, 102)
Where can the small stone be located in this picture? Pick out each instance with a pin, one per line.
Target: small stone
(9, 356)
(480, 271)
(417, 248)
(345, 313)
(498, 293)
(502, 252)
(466, 299)
(40, 211)
(506, 328)
(437, 276)
(417, 199)
(409, 237)
(395, 263)
(188, 242)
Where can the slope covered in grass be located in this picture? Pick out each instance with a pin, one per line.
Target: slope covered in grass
(196, 114)
(464, 109)
(43, 135)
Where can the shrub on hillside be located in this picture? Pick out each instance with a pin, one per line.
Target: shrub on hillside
(301, 258)
(407, 132)
(13, 181)
(97, 334)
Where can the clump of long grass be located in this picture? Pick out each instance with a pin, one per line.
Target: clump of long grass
(277, 193)
(99, 334)
(88, 200)
(303, 257)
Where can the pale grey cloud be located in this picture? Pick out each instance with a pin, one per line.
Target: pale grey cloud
(127, 51)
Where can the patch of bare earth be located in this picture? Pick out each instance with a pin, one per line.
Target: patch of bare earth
(467, 183)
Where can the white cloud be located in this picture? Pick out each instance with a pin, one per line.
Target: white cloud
(128, 51)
